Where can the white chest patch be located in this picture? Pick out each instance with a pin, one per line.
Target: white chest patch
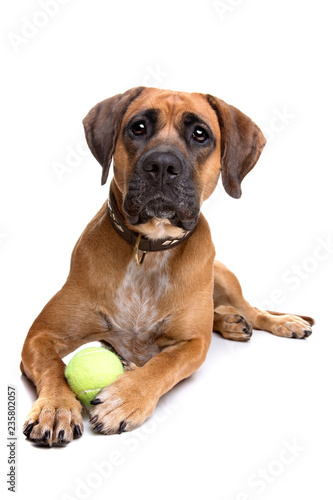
(136, 321)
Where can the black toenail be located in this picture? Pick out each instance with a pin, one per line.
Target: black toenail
(307, 333)
(294, 336)
(122, 427)
(98, 427)
(95, 401)
(28, 429)
(47, 435)
(77, 431)
(61, 435)
(240, 319)
(93, 419)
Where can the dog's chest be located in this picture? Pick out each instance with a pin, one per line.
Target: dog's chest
(137, 319)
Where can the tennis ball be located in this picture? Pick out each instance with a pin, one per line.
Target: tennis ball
(90, 370)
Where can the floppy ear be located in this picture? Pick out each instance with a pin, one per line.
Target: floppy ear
(102, 126)
(241, 144)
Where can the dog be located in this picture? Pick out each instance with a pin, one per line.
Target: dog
(143, 279)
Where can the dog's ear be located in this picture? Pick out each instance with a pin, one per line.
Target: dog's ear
(102, 126)
(241, 145)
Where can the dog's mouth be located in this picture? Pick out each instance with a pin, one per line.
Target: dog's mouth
(161, 209)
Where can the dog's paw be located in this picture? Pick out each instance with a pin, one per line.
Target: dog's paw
(288, 325)
(54, 422)
(122, 406)
(232, 326)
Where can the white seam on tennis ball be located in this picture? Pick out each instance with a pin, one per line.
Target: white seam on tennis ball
(89, 390)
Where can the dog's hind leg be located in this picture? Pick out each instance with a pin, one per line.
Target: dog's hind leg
(234, 317)
(231, 324)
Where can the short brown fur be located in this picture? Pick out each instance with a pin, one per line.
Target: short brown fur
(162, 337)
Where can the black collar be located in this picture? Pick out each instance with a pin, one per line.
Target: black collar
(138, 240)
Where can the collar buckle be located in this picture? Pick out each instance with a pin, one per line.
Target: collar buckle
(138, 260)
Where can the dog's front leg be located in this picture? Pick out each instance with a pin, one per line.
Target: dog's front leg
(65, 323)
(55, 417)
(125, 404)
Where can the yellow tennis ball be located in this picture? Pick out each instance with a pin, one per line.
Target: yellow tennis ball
(90, 370)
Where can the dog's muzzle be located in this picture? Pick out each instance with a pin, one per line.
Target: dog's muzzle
(162, 187)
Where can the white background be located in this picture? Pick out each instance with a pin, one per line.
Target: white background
(216, 434)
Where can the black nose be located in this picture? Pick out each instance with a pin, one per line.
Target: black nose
(163, 165)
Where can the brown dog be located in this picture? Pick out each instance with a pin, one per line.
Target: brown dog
(143, 277)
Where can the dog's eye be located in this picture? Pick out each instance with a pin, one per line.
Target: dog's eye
(139, 128)
(199, 134)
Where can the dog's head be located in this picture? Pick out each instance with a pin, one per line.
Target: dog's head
(168, 149)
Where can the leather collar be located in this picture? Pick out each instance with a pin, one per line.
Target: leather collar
(138, 240)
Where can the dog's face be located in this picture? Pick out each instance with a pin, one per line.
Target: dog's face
(168, 150)
(167, 157)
